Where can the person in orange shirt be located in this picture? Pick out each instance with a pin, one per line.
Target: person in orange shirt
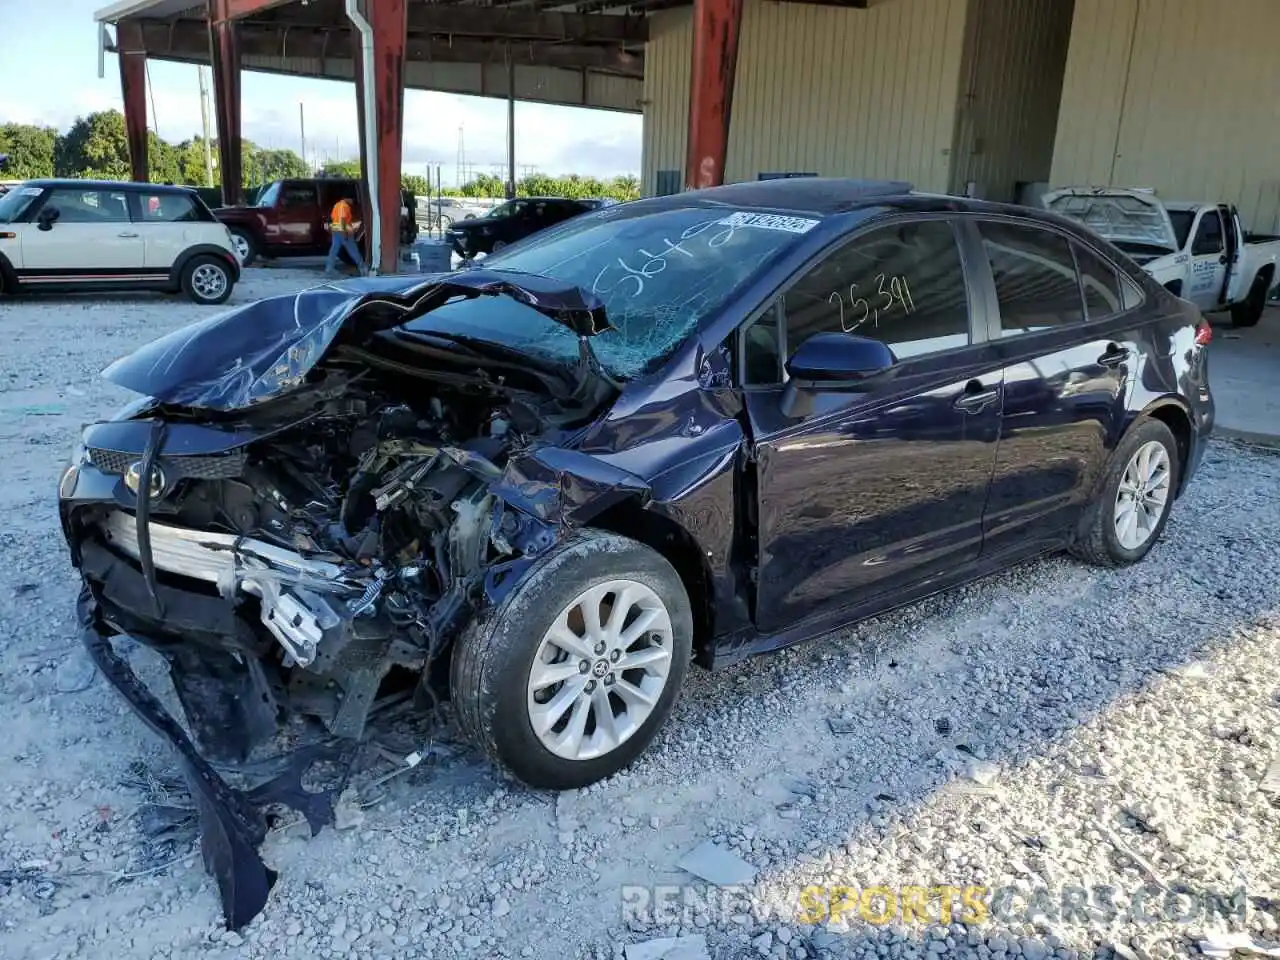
(343, 226)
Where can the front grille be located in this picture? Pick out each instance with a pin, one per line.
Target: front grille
(220, 466)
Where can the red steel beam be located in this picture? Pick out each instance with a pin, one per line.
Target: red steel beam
(224, 54)
(389, 20)
(133, 90)
(716, 25)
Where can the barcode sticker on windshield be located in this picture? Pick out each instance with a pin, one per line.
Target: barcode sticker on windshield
(770, 221)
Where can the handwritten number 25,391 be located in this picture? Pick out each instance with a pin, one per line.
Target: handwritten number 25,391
(889, 291)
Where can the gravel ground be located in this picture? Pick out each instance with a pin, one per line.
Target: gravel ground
(1049, 731)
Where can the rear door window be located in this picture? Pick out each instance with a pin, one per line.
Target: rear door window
(299, 195)
(169, 208)
(1035, 277)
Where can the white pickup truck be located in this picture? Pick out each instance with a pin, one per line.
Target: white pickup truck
(1200, 251)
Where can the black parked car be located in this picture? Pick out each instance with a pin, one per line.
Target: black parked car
(512, 221)
(696, 427)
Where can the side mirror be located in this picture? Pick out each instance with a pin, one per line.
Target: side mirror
(835, 362)
(48, 217)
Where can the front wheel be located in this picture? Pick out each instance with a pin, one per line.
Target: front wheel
(207, 280)
(570, 678)
(1134, 495)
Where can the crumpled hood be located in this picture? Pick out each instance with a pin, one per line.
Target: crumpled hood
(265, 349)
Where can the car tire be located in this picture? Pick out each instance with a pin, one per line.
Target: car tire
(1132, 500)
(207, 280)
(515, 666)
(245, 245)
(1249, 311)
(497, 245)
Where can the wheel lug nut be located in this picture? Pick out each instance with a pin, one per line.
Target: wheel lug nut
(608, 680)
(591, 685)
(615, 656)
(599, 648)
(584, 666)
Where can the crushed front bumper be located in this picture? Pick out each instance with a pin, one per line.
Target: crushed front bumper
(232, 823)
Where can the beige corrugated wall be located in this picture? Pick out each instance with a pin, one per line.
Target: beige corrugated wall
(1178, 95)
(1015, 52)
(839, 92)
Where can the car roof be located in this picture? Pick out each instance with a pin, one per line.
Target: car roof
(816, 195)
(110, 185)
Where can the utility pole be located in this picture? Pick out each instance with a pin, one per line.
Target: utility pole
(462, 158)
(302, 131)
(204, 122)
(155, 118)
(511, 127)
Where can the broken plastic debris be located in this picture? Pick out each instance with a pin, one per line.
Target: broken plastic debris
(75, 673)
(669, 948)
(717, 866)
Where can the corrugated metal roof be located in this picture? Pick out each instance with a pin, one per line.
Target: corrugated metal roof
(123, 9)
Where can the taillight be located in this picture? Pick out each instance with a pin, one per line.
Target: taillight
(1204, 333)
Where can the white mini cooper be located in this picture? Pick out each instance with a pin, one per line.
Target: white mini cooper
(89, 235)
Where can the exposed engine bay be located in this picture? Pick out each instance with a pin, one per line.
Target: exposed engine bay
(357, 540)
(295, 559)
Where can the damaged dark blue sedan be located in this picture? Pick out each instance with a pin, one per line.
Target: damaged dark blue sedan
(691, 428)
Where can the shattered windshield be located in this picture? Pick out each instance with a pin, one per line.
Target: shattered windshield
(658, 273)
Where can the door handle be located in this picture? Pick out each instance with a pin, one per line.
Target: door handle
(126, 234)
(975, 398)
(1114, 355)
(1224, 259)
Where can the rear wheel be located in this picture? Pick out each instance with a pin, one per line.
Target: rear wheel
(1134, 495)
(245, 246)
(207, 280)
(570, 678)
(1249, 312)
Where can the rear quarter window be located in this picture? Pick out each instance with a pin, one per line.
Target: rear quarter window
(1101, 284)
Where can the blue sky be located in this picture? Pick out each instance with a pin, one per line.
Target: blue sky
(49, 75)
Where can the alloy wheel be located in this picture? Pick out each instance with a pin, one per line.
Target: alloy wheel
(241, 246)
(209, 281)
(1143, 496)
(600, 669)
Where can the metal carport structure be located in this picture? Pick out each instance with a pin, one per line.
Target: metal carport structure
(588, 53)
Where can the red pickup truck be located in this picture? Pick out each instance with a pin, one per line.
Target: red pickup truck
(289, 217)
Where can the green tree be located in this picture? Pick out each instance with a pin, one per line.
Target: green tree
(265, 166)
(624, 187)
(342, 168)
(30, 149)
(415, 184)
(95, 146)
(191, 167)
(484, 185)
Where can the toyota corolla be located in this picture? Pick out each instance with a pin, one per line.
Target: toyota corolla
(685, 429)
